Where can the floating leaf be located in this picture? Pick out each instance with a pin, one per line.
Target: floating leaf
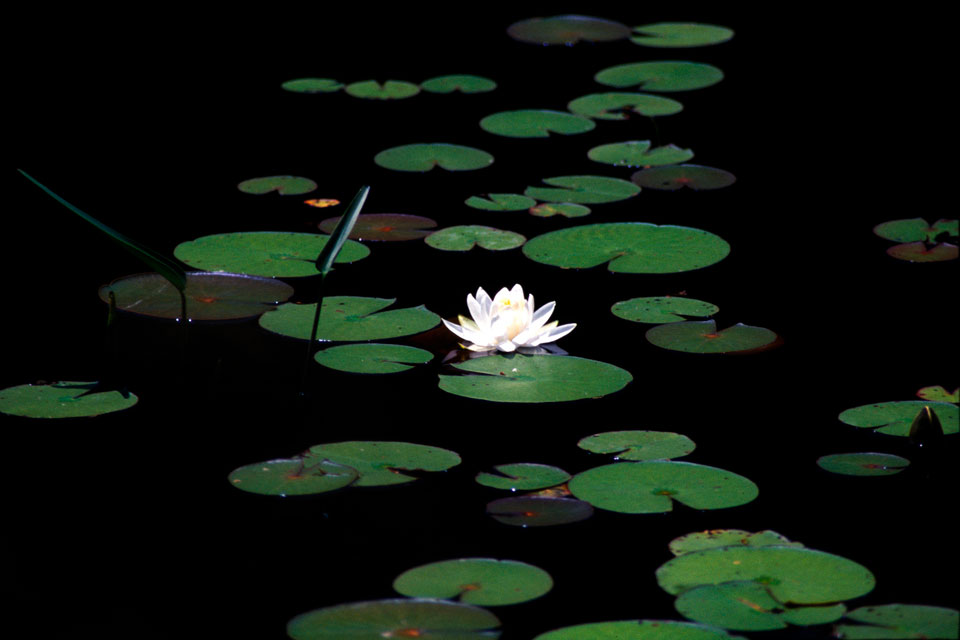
(466, 237)
(385, 226)
(661, 76)
(680, 34)
(312, 85)
(535, 123)
(349, 318)
(284, 185)
(292, 477)
(863, 464)
(461, 83)
(565, 209)
(263, 253)
(638, 630)
(540, 378)
(703, 337)
(525, 476)
(637, 153)
(210, 296)
(651, 487)
(567, 29)
(401, 618)
(915, 230)
(389, 90)
(900, 621)
(629, 247)
(895, 418)
(501, 202)
(691, 176)
(380, 463)
(939, 394)
(62, 400)
(716, 538)
(619, 105)
(372, 358)
(660, 310)
(583, 190)
(639, 445)
(920, 252)
(424, 157)
(483, 582)
(533, 511)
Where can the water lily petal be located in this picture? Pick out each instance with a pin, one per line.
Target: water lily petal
(555, 333)
(467, 323)
(476, 311)
(542, 315)
(469, 335)
(506, 346)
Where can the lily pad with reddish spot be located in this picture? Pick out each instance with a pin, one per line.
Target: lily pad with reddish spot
(939, 394)
(715, 538)
(484, 582)
(680, 34)
(639, 445)
(565, 209)
(461, 83)
(67, 399)
(292, 477)
(284, 185)
(922, 252)
(916, 230)
(424, 157)
(466, 237)
(863, 464)
(895, 418)
(534, 511)
(382, 463)
(703, 337)
(525, 476)
(638, 153)
(312, 85)
(663, 309)
(500, 202)
(690, 176)
(389, 90)
(620, 106)
(535, 123)
(567, 30)
(385, 227)
(661, 76)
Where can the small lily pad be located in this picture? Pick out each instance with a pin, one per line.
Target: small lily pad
(292, 477)
(680, 34)
(385, 227)
(661, 76)
(638, 630)
(284, 185)
(381, 463)
(900, 621)
(939, 394)
(535, 123)
(312, 85)
(349, 318)
(501, 202)
(638, 153)
(639, 445)
(715, 538)
(424, 157)
(483, 582)
(915, 230)
(525, 476)
(565, 209)
(895, 418)
(62, 400)
(583, 190)
(466, 237)
(661, 310)
(921, 252)
(567, 29)
(533, 511)
(691, 176)
(703, 337)
(461, 83)
(619, 105)
(389, 90)
(863, 464)
(372, 357)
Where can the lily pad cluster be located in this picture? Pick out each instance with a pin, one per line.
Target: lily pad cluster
(392, 89)
(920, 241)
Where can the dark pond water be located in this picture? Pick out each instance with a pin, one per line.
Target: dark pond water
(150, 127)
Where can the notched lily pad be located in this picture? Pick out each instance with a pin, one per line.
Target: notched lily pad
(292, 477)
(67, 399)
(533, 511)
(382, 463)
(639, 445)
(385, 227)
(661, 76)
(902, 621)
(565, 209)
(716, 538)
(690, 176)
(680, 34)
(461, 83)
(703, 337)
(583, 190)
(466, 237)
(939, 394)
(424, 157)
(638, 153)
(389, 90)
(922, 252)
(916, 230)
(535, 123)
(501, 202)
(312, 85)
(863, 464)
(350, 319)
(638, 630)
(525, 476)
(284, 185)
(567, 30)
(372, 358)
(663, 309)
(620, 105)
(895, 418)
(484, 582)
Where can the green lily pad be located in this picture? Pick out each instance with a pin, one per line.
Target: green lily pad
(461, 83)
(400, 618)
(389, 90)
(275, 254)
(791, 575)
(652, 486)
(535, 123)
(565, 209)
(381, 463)
(484, 582)
(939, 394)
(637, 153)
(638, 630)
(863, 464)
(583, 190)
(629, 247)
(900, 621)
(210, 296)
(703, 337)
(915, 230)
(567, 29)
(312, 85)
(350, 319)
(895, 418)
(540, 378)
(292, 477)
(639, 445)
(716, 538)
(921, 252)
(620, 105)
(501, 202)
(424, 157)
(284, 185)
(534, 511)
(691, 176)
(372, 357)
(680, 34)
(525, 476)
(661, 310)
(385, 227)
(62, 400)
(466, 237)
(661, 76)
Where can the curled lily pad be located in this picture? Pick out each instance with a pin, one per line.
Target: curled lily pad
(921, 252)
(915, 230)
(349, 318)
(534, 511)
(292, 477)
(284, 185)
(66, 399)
(583, 190)
(565, 209)
(466, 237)
(660, 310)
(321, 203)
(524, 476)
(424, 157)
(638, 630)
(895, 418)
(715, 538)
(638, 153)
(501, 202)
(939, 394)
(389, 90)
(691, 176)
(381, 463)
(629, 247)
(680, 34)
(535, 123)
(661, 76)
(372, 357)
(312, 85)
(863, 464)
(384, 226)
(567, 29)
(483, 582)
(703, 337)
(461, 83)
(901, 621)
(619, 105)
(639, 445)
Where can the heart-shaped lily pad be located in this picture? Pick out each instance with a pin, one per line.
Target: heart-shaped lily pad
(703, 337)
(535, 511)
(501, 202)
(210, 296)
(461, 83)
(466, 237)
(539, 378)
(651, 487)
(638, 630)
(567, 29)
(583, 190)
(661, 76)
(691, 176)
(565, 209)
(900, 621)
(349, 318)
(629, 247)
(716, 538)
(292, 477)
(638, 153)
(863, 464)
(915, 230)
(937, 393)
(424, 157)
(312, 85)
(639, 445)
(660, 310)
(619, 105)
(284, 185)
(384, 226)
(535, 123)
(483, 582)
(389, 90)
(276, 254)
(372, 357)
(921, 252)
(525, 476)
(381, 463)
(680, 34)
(895, 418)
(62, 400)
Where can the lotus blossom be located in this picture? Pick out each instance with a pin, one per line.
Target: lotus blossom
(507, 322)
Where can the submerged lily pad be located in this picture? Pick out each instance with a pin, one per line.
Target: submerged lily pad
(400, 618)
(535, 123)
(284, 185)
(565, 209)
(483, 582)
(567, 29)
(466, 237)
(62, 400)
(921, 252)
(501, 202)
(703, 337)
(660, 310)
(619, 105)
(895, 418)
(680, 34)
(275, 254)
(915, 230)
(715, 538)
(389, 90)
(424, 157)
(900, 621)
(639, 445)
(638, 630)
(540, 378)
(461, 83)
(583, 190)
(210, 296)
(385, 226)
(651, 487)
(938, 394)
(525, 476)
(629, 247)
(863, 464)
(638, 153)
(349, 318)
(372, 357)
(661, 76)
(691, 176)
(381, 463)
(312, 85)
(292, 477)
(534, 511)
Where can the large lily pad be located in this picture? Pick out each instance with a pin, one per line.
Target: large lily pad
(312, 85)
(639, 445)
(483, 582)
(661, 310)
(690, 176)
(895, 418)
(716, 538)
(680, 34)
(349, 318)
(900, 621)
(539, 378)
(567, 29)
(384, 226)
(661, 76)
(501, 202)
(292, 477)
(536, 511)
(915, 230)
(424, 157)
(381, 463)
(703, 337)
(922, 252)
(210, 296)
(389, 90)
(276, 254)
(466, 237)
(65, 399)
(620, 105)
(583, 190)
(863, 464)
(629, 247)
(525, 476)
(372, 358)
(535, 123)
(638, 153)
(653, 486)
(638, 630)
(565, 209)
(461, 83)
(284, 185)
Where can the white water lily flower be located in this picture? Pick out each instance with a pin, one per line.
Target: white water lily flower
(507, 322)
